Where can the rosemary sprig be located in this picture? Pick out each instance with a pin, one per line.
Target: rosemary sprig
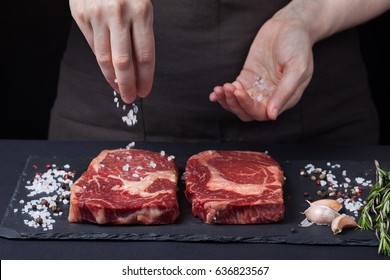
(375, 215)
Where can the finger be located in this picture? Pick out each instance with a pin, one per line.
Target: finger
(87, 31)
(101, 38)
(123, 62)
(233, 103)
(216, 94)
(78, 13)
(221, 98)
(144, 53)
(255, 109)
(283, 94)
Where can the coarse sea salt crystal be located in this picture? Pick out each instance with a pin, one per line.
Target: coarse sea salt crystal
(130, 146)
(183, 176)
(359, 180)
(152, 164)
(125, 167)
(171, 158)
(162, 153)
(131, 118)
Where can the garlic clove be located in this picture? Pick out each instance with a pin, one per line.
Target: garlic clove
(320, 214)
(305, 223)
(332, 203)
(341, 222)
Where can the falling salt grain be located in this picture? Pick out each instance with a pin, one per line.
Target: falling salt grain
(183, 176)
(162, 153)
(130, 146)
(135, 108)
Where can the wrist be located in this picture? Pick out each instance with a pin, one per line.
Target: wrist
(312, 16)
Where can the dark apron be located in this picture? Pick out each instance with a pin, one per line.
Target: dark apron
(201, 44)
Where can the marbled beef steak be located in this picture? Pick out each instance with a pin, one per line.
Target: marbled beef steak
(235, 187)
(126, 186)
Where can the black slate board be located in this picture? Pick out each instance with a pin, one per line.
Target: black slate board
(189, 228)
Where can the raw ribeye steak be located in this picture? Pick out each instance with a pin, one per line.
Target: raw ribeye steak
(126, 186)
(235, 187)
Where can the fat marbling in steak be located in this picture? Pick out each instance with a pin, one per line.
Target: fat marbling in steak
(235, 187)
(126, 186)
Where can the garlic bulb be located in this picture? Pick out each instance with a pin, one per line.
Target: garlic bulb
(341, 222)
(320, 214)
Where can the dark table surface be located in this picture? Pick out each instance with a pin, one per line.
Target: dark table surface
(13, 155)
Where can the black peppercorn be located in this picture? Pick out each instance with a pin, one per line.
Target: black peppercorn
(45, 202)
(39, 220)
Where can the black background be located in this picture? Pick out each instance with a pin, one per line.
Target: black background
(34, 38)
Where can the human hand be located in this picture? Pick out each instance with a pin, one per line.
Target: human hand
(278, 68)
(120, 34)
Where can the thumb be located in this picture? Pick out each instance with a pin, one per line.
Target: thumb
(283, 95)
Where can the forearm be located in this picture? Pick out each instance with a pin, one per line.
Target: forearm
(326, 17)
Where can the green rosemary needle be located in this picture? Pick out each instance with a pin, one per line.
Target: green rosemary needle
(375, 215)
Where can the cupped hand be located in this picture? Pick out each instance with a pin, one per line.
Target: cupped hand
(120, 33)
(278, 68)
